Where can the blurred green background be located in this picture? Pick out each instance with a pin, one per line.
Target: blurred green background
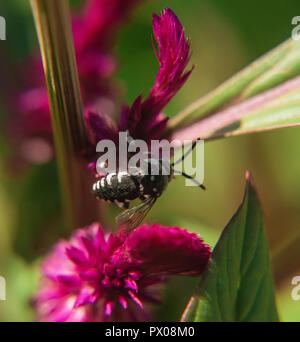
(226, 36)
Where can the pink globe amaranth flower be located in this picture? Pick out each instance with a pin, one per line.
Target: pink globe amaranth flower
(144, 119)
(98, 278)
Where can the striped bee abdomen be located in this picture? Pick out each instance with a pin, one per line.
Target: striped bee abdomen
(118, 187)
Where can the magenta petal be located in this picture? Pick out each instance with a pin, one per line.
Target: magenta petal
(58, 313)
(69, 280)
(131, 284)
(135, 275)
(76, 255)
(158, 127)
(108, 308)
(100, 127)
(84, 297)
(136, 299)
(49, 293)
(89, 245)
(122, 300)
(130, 117)
(160, 250)
(91, 274)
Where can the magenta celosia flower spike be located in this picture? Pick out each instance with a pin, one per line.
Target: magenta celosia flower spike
(173, 55)
(94, 277)
(144, 119)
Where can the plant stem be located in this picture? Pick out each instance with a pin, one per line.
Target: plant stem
(52, 19)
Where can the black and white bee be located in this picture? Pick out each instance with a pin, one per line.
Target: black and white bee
(123, 187)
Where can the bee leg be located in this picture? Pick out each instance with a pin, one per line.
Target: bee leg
(125, 205)
(122, 205)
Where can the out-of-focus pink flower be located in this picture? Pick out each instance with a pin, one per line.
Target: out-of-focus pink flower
(98, 278)
(94, 37)
(144, 119)
(101, 19)
(94, 32)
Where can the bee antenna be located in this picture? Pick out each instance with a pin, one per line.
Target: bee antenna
(191, 178)
(187, 153)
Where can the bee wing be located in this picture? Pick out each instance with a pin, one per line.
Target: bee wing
(131, 218)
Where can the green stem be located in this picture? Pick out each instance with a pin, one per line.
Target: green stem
(52, 19)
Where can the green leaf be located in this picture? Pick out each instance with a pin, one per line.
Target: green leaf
(283, 111)
(275, 108)
(21, 283)
(272, 69)
(238, 285)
